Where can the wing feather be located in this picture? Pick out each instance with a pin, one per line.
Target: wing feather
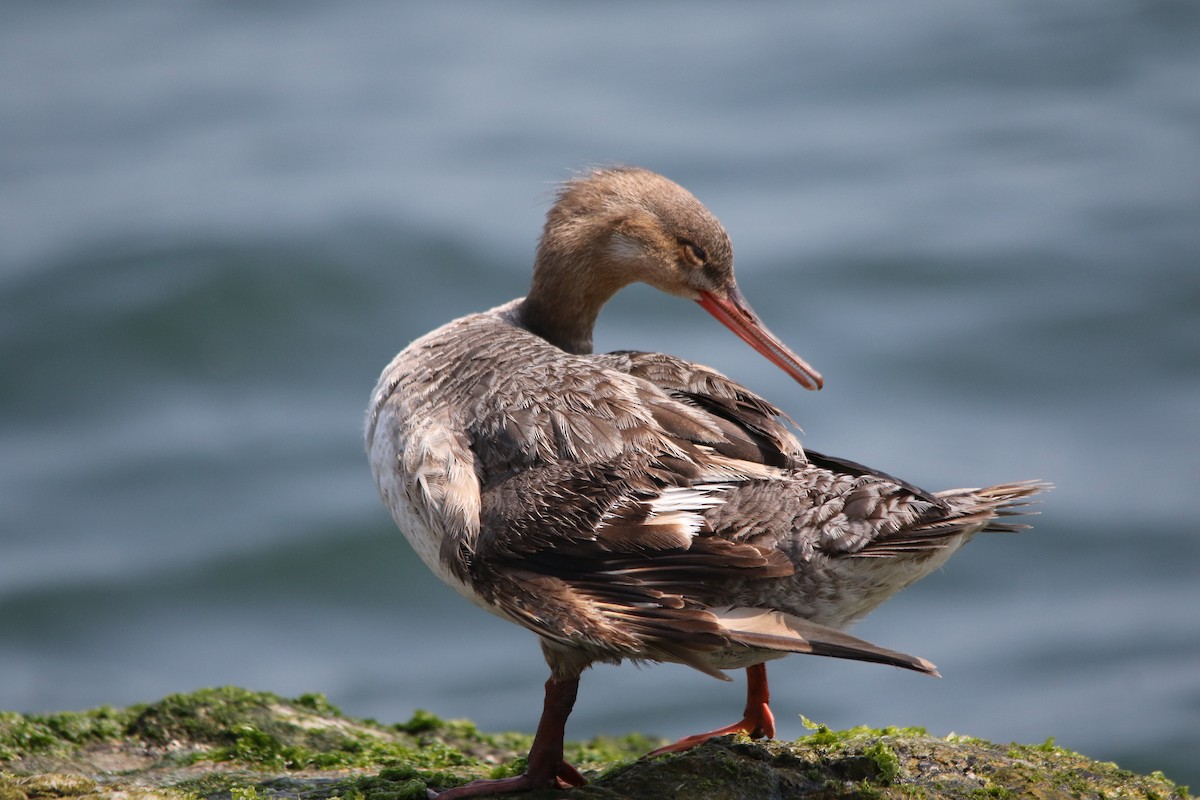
(779, 631)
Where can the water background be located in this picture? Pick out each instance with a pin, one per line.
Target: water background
(218, 221)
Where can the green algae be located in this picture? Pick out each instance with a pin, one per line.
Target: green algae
(235, 744)
(52, 733)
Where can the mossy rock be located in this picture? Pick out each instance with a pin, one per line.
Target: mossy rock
(234, 744)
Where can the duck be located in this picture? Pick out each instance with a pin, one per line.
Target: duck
(635, 506)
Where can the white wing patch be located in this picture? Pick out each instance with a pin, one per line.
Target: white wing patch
(682, 507)
(670, 519)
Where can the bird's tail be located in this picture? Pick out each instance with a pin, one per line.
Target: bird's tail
(996, 505)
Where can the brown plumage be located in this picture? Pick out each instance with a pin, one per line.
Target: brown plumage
(635, 505)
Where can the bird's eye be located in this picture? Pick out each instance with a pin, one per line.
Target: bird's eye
(692, 253)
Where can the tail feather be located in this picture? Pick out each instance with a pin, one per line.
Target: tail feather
(994, 503)
(961, 511)
(776, 630)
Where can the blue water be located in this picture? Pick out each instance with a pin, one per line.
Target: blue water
(219, 221)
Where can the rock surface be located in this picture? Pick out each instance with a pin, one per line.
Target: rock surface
(241, 745)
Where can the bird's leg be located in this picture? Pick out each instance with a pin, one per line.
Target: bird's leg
(757, 721)
(545, 768)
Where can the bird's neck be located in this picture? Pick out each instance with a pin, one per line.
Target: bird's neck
(564, 301)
